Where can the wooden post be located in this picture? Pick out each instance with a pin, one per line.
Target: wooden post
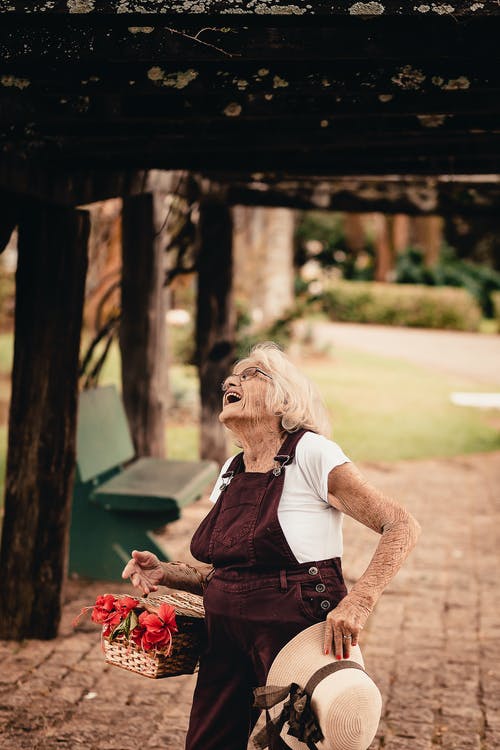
(401, 233)
(10, 216)
(428, 236)
(50, 284)
(143, 334)
(263, 240)
(354, 232)
(383, 247)
(215, 320)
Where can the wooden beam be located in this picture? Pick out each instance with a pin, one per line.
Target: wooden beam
(78, 187)
(93, 39)
(215, 319)
(411, 194)
(75, 88)
(225, 118)
(427, 153)
(143, 334)
(283, 10)
(306, 129)
(466, 196)
(50, 283)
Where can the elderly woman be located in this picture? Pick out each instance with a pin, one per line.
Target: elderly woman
(273, 544)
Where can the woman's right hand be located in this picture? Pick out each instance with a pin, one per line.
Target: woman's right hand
(145, 571)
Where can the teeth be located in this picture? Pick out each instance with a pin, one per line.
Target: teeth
(234, 395)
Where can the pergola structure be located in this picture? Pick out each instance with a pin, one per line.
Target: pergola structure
(334, 104)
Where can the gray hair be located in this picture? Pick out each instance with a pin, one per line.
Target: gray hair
(293, 396)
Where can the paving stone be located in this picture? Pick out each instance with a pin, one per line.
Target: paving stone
(408, 743)
(453, 740)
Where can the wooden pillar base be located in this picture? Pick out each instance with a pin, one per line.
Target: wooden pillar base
(50, 283)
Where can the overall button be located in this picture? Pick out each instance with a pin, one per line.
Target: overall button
(320, 587)
(313, 571)
(325, 604)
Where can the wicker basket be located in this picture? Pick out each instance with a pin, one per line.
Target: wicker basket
(186, 643)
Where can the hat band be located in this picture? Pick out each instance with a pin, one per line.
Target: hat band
(297, 710)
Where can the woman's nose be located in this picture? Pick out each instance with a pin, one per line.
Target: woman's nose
(231, 380)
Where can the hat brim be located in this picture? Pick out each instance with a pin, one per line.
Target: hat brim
(347, 703)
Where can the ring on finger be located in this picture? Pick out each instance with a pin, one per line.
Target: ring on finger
(347, 637)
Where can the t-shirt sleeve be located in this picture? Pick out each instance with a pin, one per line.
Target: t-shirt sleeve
(316, 456)
(214, 495)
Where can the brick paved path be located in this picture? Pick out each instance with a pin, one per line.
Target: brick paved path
(432, 644)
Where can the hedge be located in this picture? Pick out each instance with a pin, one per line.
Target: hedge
(401, 305)
(7, 293)
(495, 298)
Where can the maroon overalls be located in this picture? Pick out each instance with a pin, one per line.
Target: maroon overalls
(257, 600)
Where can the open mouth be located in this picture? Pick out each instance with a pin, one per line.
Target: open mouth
(232, 397)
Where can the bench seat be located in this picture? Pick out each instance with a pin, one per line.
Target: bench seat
(154, 484)
(119, 502)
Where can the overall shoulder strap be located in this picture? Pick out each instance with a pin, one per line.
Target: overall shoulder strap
(287, 450)
(235, 467)
(290, 443)
(237, 464)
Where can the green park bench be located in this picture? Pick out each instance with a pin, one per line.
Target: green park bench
(118, 502)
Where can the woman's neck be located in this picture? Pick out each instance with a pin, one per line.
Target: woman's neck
(260, 445)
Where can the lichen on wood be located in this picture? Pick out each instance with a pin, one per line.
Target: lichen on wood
(178, 80)
(11, 81)
(81, 6)
(233, 109)
(409, 78)
(432, 121)
(367, 9)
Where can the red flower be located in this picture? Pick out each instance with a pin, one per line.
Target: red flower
(166, 613)
(154, 631)
(125, 604)
(148, 630)
(111, 611)
(104, 607)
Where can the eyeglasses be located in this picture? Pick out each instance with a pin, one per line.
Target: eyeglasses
(249, 372)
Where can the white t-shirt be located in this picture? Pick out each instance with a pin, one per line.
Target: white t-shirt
(312, 527)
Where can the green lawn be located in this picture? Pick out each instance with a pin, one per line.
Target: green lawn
(386, 409)
(382, 409)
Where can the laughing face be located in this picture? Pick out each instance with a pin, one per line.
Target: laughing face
(244, 394)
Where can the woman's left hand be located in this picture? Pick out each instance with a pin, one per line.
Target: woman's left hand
(343, 626)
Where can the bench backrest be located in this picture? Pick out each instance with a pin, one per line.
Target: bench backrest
(103, 438)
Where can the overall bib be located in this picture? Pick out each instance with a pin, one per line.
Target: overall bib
(258, 598)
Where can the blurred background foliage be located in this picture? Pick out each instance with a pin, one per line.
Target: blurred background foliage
(321, 239)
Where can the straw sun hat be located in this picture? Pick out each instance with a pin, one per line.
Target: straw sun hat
(346, 703)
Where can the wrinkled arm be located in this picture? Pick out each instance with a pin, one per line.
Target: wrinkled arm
(350, 492)
(179, 575)
(146, 573)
